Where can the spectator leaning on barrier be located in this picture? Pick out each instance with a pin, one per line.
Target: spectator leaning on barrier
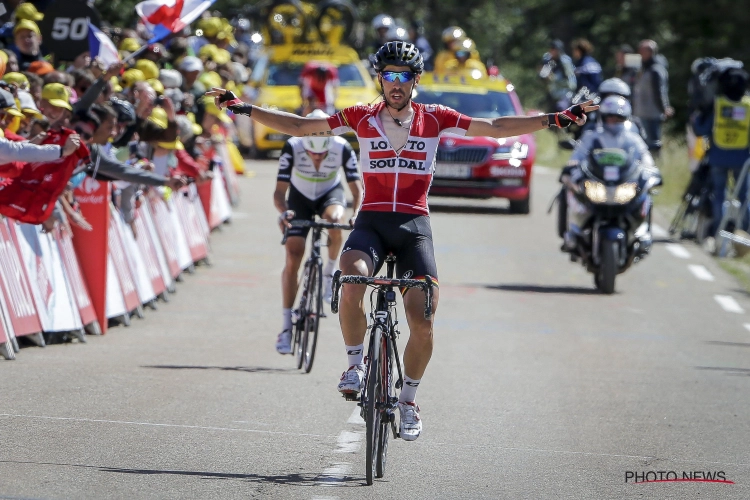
(651, 94)
(727, 125)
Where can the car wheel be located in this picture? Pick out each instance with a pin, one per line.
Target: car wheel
(520, 206)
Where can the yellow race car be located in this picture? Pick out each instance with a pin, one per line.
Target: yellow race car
(276, 77)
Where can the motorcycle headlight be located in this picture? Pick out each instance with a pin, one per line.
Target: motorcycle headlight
(625, 192)
(595, 191)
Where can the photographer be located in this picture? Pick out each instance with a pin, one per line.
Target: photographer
(144, 99)
(727, 125)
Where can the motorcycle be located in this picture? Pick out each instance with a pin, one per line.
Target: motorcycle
(609, 206)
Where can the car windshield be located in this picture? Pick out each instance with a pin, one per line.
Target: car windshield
(288, 74)
(489, 105)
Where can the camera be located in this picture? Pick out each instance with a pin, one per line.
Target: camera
(159, 101)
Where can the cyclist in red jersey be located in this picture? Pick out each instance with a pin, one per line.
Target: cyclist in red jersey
(398, 139)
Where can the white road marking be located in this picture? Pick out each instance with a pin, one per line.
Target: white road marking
(349, 442)
(153, 424)
(728, 303)
(355, 417)
(335, 474)
(701, 272)
(658, 231)
(747, 326)
(678, 251)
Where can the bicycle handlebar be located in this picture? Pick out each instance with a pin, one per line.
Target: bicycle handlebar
(424, 285)
(315, 224)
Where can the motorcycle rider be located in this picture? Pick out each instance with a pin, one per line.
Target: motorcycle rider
(618, 87)
(611, 132)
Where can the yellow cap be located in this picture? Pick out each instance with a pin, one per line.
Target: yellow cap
(212, 110)
(25, 24)
(197, 129)
(18, 79)
(176, 144)
(222, 56)
(159, 117)
(14, 111)
(156, 85)
(57, 95)
(210, 79)
(129, 45)
(115, 82)
(28, 11)
(210, 26)
(149, 68)
(131, 76)
(207, 51)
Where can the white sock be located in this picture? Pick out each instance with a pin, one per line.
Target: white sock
(355, 353)
(409, 390)
(329, 268)
(287, 315)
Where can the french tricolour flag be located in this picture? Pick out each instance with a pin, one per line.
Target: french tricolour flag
(102, 47)
(163, 17)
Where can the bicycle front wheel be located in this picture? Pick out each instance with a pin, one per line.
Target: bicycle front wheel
(371, 400)
(386, 387)
(300, 329)
(314, 311)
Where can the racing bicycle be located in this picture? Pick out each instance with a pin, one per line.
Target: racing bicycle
(310, 309)
(378, 398)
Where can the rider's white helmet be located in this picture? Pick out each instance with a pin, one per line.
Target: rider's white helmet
(615, 105)
(614, 86)
(317, 144)
(382, 21)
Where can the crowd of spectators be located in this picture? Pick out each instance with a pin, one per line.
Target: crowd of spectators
(142, 122)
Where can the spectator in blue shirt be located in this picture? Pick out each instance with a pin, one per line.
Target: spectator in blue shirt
(588, 70)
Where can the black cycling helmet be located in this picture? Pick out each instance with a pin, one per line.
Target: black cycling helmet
(125, 110)
(398, 54)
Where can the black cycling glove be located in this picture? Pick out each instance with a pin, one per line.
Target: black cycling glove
(565, 118)
(235, 104)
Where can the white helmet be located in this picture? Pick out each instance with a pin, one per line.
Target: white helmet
(382, 21)
(397, 33)
(614, 86)
(317, 144)
(615, 105)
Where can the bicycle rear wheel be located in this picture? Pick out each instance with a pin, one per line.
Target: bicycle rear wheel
(371, 400)
(314, 311)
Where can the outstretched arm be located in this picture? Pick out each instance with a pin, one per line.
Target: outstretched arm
(509, 126)
(282, 121)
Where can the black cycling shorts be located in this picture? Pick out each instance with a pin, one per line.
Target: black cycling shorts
(306, 209)
(407, 236)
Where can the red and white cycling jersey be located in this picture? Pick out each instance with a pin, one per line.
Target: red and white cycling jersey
(398, 182)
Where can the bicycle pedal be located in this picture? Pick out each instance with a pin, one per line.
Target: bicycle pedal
(351, 396)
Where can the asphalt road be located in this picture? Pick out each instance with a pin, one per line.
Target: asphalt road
(538, 388)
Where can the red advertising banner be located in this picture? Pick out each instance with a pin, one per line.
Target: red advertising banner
(91, 246)
(75, 278)
(15, 285)
(120, 261)
(150, 257)
(163, 225)
(193, 231)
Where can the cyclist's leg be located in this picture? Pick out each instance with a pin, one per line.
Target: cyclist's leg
(332, 208)
(295, 251)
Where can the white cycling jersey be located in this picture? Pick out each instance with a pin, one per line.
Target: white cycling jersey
(295, 166)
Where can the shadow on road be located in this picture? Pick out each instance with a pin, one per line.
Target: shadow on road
(728, 344)
(468, 209)
(297, 479)
(726, 369)
(519, 287)
(247, 369)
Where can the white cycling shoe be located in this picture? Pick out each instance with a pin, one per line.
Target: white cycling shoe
(410, 425)
(351, 380)
(284, 342)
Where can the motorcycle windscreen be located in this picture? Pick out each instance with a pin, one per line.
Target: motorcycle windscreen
(612, 165)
